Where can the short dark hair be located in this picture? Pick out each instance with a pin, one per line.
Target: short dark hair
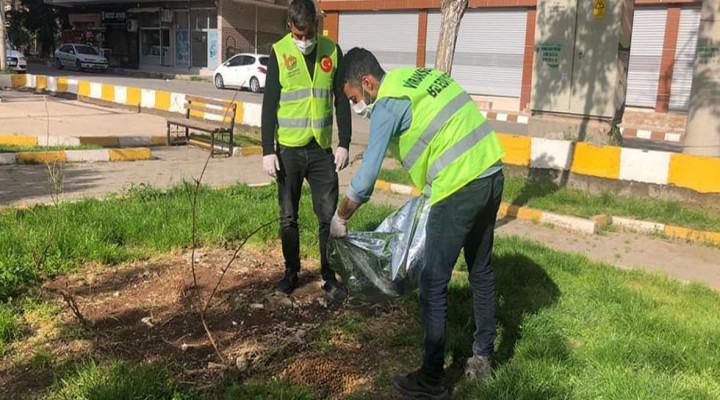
(357, 63)
(302, 13)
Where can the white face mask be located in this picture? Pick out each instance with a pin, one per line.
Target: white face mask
(361, 108)
(305, 46)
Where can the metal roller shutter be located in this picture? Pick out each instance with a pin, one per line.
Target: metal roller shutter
(684, 58)
(390, 35)
(646, 47)
(489, 51)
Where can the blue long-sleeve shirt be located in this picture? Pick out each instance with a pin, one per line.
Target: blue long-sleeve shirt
(391, 117)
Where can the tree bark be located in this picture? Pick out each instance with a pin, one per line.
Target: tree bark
(452, 13)
(3, 50)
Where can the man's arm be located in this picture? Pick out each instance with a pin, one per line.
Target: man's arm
(342, 107)
(390, 118)
(271, 100)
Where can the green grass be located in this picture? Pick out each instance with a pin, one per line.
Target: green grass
(550, 197)
(246, 141)
(147, 221)
(395, 175)
(264, 390)
(10, 326)
(4, 148)
(115, 380)
(570, 328)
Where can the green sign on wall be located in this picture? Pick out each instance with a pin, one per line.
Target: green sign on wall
(550, 54)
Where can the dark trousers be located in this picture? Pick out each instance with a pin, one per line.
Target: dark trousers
(465, 220)
(317, 165)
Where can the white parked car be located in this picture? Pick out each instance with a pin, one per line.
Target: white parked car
(245, 70)
(16, 61)
(80, 56)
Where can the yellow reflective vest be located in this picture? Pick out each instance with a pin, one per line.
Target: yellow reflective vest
(449, 143)
(306, 105)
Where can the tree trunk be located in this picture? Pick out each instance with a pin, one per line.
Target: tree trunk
(3, 50)
(452, 13)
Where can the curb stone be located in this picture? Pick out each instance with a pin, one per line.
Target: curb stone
(583, 225)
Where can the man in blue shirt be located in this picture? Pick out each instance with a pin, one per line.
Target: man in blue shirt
(465, 219)
(391, 117)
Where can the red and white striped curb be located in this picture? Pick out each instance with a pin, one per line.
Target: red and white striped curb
(517, 118)
(667, 135)
(676, 136)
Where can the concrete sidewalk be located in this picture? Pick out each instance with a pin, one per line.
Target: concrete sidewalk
(25, 113)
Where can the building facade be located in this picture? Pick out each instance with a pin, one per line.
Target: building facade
(496, 44)
(177, 35)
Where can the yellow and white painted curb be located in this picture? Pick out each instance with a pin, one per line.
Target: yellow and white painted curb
(104, 141)
(512, 211)
(246, 113)
(576, 224)
(247, 151)
(588, 226)
(76, 156)
(669, 230)
(237, 150)
(701, 174)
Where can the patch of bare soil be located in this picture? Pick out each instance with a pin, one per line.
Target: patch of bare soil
(147, 311)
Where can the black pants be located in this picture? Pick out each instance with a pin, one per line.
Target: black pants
(317, 165)
(465, 220)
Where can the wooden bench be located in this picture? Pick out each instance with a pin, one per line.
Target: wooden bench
(222, 123)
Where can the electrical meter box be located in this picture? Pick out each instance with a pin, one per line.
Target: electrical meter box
(582, 48)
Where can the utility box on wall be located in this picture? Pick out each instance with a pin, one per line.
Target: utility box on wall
(702, 136)
(582, 49)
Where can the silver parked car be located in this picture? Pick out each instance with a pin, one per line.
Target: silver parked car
(80, 56)
(16, 61)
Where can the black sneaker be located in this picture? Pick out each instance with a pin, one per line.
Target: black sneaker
(417, 385)
(335, 290)
(288, 283)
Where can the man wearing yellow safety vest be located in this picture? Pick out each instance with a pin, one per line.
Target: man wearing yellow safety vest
(453, 156)
(297, 111)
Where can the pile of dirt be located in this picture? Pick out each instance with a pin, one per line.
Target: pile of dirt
(149, 311)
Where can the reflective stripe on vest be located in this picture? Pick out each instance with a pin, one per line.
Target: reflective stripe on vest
(449, 143)
(305, 123)
(458, 149)
(306, 106)
(448, 111)
(305, 93)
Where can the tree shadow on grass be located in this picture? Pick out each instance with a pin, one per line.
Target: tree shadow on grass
(523, 290)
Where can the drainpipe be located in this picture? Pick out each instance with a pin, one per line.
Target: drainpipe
(190, 39)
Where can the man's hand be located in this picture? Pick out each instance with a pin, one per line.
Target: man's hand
(341, 158)
(271, 165)
(338, 226)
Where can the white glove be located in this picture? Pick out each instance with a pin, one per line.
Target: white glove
(341, 158)
(338, 226)
(271, 165)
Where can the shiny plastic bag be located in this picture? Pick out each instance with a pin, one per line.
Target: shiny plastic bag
(385, 263)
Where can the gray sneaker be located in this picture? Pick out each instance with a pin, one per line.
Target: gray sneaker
(478, 368)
